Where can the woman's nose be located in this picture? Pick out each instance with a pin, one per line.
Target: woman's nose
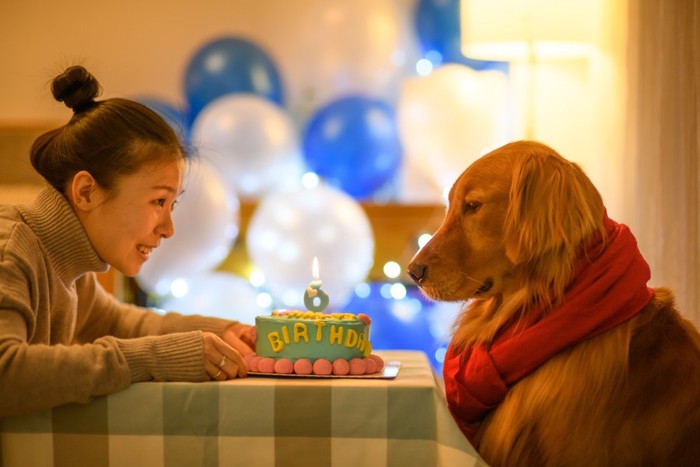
(166, 228)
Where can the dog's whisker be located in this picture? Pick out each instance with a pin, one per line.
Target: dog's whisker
(481, 283)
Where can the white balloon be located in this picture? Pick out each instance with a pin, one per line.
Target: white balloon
(451, 117)
(219, 294)
(206, 225)
(252, 141)
(287, 230)
(349, 47)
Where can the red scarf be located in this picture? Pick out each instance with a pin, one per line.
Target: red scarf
(604, 293)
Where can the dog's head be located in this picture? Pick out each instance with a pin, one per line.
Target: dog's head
(516, 221)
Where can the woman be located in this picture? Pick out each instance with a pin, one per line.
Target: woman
(114, 172)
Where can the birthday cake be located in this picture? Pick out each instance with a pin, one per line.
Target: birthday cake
(313, 343)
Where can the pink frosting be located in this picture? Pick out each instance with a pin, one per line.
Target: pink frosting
(284, 366)
(254, 362)
(267, 365)
(378, 360)
(371, 365)
(322, 367)
(341, 366)
(358, 366)
(303, 367)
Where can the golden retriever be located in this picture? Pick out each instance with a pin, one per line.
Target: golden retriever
(523, 230)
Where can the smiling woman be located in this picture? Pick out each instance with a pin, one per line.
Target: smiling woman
(141, 206)
(114, 174)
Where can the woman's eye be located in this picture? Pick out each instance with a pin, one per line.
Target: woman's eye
(470, 206)
(160, 202)
(172, 206)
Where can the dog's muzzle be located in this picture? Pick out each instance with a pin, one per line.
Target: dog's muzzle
(417, 272)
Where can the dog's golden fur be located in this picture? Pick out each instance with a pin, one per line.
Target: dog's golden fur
(517, 220)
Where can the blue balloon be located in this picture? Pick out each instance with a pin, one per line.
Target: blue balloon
(230, 65)
(438, 28)
(353, 143)
(176, 118)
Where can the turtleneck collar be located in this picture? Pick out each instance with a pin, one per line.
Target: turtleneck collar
(54, 222)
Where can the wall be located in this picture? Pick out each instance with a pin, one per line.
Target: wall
(141, 48)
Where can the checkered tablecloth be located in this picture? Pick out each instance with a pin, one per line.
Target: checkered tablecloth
(257, 421)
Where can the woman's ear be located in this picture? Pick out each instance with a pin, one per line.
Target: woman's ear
(84, 191)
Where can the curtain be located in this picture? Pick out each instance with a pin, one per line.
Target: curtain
(662, 143)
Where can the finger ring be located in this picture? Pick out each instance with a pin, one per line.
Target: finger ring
(223, 362)
(217, 374)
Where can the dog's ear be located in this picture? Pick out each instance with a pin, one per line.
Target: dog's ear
(553, 209)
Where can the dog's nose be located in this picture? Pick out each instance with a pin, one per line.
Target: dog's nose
(417, 272)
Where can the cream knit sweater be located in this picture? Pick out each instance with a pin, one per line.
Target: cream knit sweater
(63, 338)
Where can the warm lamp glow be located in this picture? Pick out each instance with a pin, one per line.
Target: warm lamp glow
(529, 30)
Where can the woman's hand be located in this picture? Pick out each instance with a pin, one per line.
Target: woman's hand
(239, 337)
(221, 360)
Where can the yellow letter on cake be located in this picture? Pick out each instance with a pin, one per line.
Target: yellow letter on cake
(351, 338)
(319, 329)
(275, 341)
(335, 336)
(300, 332)
(362, 342)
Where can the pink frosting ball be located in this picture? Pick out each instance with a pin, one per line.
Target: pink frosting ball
(357, 366)
(254, 363)
(341, 366)
(371, 365)
(303, 366)
(364, 318)
(322, 367)
(378, 360)
(266, 365)
(284, 366)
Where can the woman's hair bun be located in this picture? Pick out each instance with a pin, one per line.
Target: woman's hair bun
(76, 88)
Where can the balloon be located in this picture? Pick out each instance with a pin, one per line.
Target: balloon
(353, 143)
(449, 118)
(230, 65)
(252, 142)
(289, 229)
(175, 117)
(437, 24)
(206, 226)
(349, 47)
(219, 294)
(409, 323)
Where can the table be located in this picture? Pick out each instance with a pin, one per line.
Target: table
(256, 421)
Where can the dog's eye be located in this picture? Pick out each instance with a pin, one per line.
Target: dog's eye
(470, 206)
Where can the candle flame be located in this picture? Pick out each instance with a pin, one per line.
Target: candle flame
(314, 269)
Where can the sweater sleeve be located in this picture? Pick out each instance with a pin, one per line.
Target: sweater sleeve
(40, 369)
(39, 376)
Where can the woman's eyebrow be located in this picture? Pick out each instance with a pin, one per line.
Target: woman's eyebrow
(167, 188)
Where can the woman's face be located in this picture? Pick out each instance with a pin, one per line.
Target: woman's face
(134, 216)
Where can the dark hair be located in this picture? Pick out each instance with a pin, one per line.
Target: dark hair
(108, 138)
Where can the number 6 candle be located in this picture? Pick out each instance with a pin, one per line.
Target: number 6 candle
(314, 292)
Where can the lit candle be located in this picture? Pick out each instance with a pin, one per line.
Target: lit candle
(315, 298)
